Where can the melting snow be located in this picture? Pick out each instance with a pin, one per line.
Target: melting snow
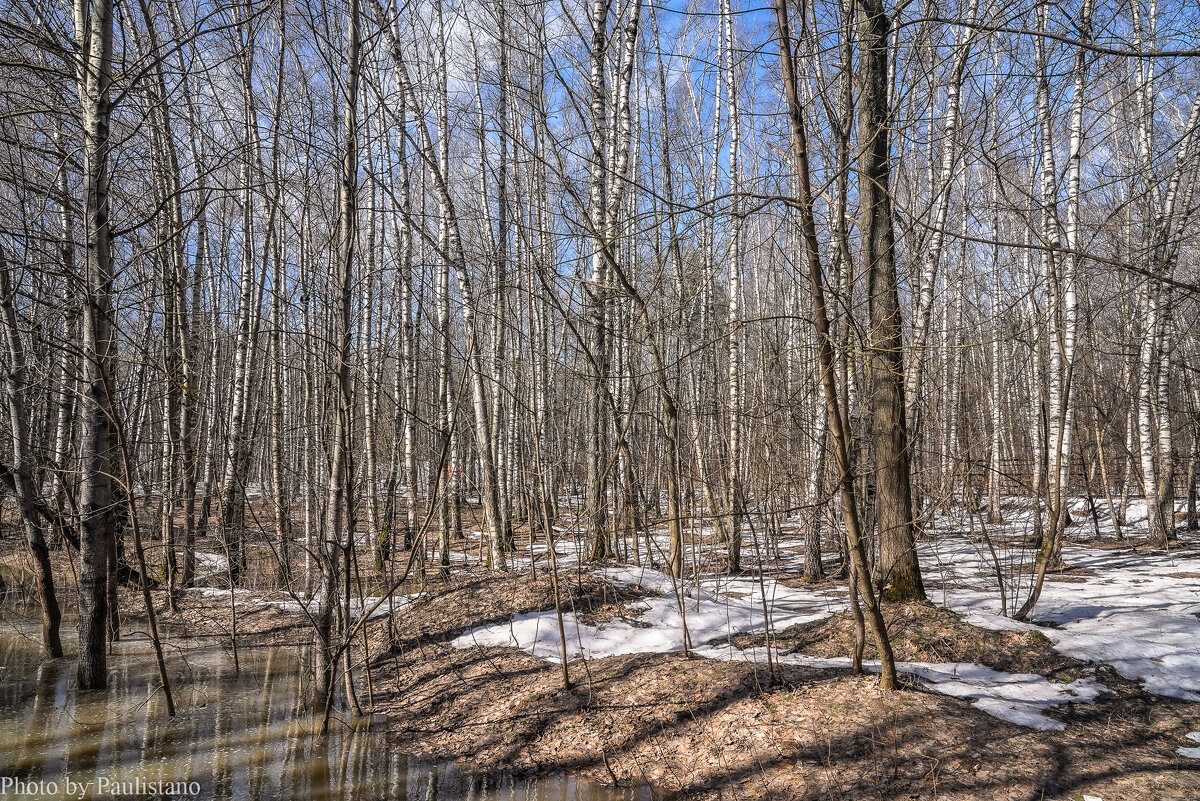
(1019, 698)
(721, 607)
(357, 605)
(717, 607)
(209, 565)
(1191, 753)
(1016, 697)
(1133, 612)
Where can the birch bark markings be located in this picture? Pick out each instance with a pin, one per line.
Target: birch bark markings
(451, 523)
(1064, 321)
(735, 491)
(406, 371)
(596, 500)
(502, 446)
(1171, 216)
(94, 36)
(941, 191)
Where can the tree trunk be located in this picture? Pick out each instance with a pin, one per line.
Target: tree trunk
(899, 573)
(335, 541)
(94, 32)
(23, 468)
(860, 573)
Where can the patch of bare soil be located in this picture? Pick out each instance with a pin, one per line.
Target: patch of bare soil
(923, 633)
(1134, 541)
(1106, 543)
(713, 730)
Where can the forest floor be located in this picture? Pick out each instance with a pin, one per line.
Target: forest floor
(710, 728)
(1095, 698)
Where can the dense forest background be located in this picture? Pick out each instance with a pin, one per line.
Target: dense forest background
(336, 285)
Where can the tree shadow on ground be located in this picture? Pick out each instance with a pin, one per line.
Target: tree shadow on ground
(713, 729)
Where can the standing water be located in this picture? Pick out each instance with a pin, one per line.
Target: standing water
(242, 736)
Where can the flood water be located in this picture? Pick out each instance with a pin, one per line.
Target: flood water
(242, 736)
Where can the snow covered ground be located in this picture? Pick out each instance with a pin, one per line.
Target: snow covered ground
(721, 607)
(211, 565)
(1137, 612)
(715, 607)
(1133, 609)
(1019, 698)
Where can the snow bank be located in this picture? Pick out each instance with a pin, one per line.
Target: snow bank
(213, 592)
(209, 565)
(1019, 698)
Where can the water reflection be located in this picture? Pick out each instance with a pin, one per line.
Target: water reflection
(243, 737)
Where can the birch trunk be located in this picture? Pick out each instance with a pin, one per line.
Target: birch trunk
(334, 541)
(735, 500)
(453, 253)
(94, 35)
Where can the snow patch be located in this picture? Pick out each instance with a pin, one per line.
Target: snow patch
(215, 592)
(1190, 753)
(357, 605)
(717, 608)
(1020, 698)
(209, 565)
(1133, 612)
(712, 608)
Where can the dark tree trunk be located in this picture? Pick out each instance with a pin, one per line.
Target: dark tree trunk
(898, 570)
(23, 469)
